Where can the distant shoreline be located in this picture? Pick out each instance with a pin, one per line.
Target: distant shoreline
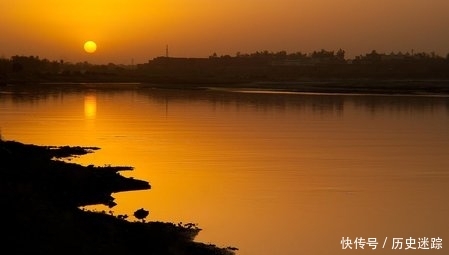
(357, 86)
(328, 86)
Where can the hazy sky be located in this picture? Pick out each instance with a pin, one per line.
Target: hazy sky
(140, 29)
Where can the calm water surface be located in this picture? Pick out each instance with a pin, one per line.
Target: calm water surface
(268, 173)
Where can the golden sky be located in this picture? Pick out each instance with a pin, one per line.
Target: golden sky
(139, 30)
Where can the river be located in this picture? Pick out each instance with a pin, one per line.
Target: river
(269, 173)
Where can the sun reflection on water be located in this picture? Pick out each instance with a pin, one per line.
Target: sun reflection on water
(90, 106)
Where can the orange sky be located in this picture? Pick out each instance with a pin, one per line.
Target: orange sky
(140, 29)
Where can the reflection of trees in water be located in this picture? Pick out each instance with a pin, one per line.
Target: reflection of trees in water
(264, 102)
(261, 102)
(323, 104)
(377, 104)
(34, 94)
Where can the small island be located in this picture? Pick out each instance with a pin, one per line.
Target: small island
(43, 196)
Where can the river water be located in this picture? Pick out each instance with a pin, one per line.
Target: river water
(269, 173)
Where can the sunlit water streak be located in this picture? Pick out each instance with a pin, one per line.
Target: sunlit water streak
(268, 173)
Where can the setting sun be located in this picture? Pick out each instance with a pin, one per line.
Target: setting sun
(90, 46)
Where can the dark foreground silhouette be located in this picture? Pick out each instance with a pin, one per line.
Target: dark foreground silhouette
(41, 198)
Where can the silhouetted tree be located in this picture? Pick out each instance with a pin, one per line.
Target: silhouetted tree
(141, 214)
(281, 54)
(340, 54)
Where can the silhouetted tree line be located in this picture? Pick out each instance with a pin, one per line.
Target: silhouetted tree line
(283, 66)
(32, 68)
(257, 66)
